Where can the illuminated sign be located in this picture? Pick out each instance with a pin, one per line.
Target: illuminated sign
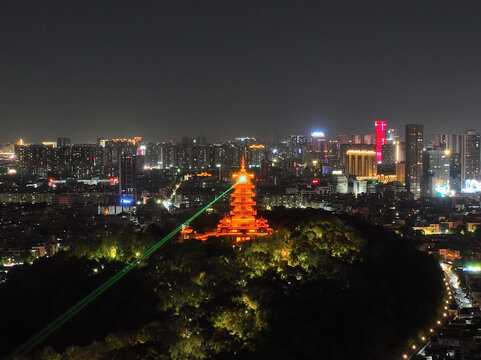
(126, 201)
(360, 152)
(141, 150)
(380, 127)
(442, 190)
(472, 186)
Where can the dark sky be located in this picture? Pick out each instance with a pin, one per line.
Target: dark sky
(163, 69)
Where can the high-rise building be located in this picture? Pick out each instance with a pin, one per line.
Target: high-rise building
(388, 154)
(318, 141)
(127, 179)
(167, 155)
(296, 146)
(455, 171)
(255, 155)
(369, 139)
(83, 161)
(414, 158)
(451, 142)
(470, 157)
(380, 131)
(63, 141)
(436, 172)
(400, 151)
(391, 136)
(357, 139)
(344, 139)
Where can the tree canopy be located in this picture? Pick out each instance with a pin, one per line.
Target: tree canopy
(321, 287)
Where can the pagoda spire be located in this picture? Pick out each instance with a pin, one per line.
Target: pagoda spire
(241, 224)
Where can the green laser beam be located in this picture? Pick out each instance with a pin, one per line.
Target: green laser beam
(67, 315)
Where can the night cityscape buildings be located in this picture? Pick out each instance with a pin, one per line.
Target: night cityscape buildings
(451, 164)
(193, 180)
(414, 157)
(470, 156)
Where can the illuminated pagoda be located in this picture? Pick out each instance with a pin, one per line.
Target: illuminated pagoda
(241, 224)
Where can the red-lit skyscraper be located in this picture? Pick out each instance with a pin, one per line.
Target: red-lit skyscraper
(380, 127)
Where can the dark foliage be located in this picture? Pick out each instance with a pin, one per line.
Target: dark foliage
(323, 287)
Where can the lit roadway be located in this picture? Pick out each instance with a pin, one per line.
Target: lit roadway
(462, 301)
(459, 295)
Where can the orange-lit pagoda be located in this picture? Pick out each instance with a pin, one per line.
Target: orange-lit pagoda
(241, 224)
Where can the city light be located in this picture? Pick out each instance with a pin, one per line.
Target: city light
(296, 229)
(472, 186)
(472, 268)
(317, 134)
(126, 201)
(380, 130)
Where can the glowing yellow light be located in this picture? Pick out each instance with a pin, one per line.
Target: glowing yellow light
(258, 146)
(362, 152)
(242, 178)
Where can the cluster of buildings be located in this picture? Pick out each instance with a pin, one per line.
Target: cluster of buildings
(444, 166)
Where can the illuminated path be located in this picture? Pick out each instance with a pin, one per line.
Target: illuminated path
(62, 319)
(460, 296)
(462, 300)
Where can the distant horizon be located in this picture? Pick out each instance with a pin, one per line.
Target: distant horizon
(399, 132)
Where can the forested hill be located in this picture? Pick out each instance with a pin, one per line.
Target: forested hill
(323, 287)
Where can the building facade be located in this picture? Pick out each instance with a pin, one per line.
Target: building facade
(414, 158)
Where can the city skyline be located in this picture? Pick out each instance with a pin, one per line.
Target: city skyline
(240, 179)
(429, 138)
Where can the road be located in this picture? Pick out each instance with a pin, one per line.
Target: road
(459, 295)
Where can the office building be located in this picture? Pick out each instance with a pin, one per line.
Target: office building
(127, 179)
(436, 172)
(414, 158)
(470, 157)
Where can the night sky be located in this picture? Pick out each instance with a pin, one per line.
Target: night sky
(164, 69)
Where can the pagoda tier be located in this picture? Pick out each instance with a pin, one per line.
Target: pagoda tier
(241, 223)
